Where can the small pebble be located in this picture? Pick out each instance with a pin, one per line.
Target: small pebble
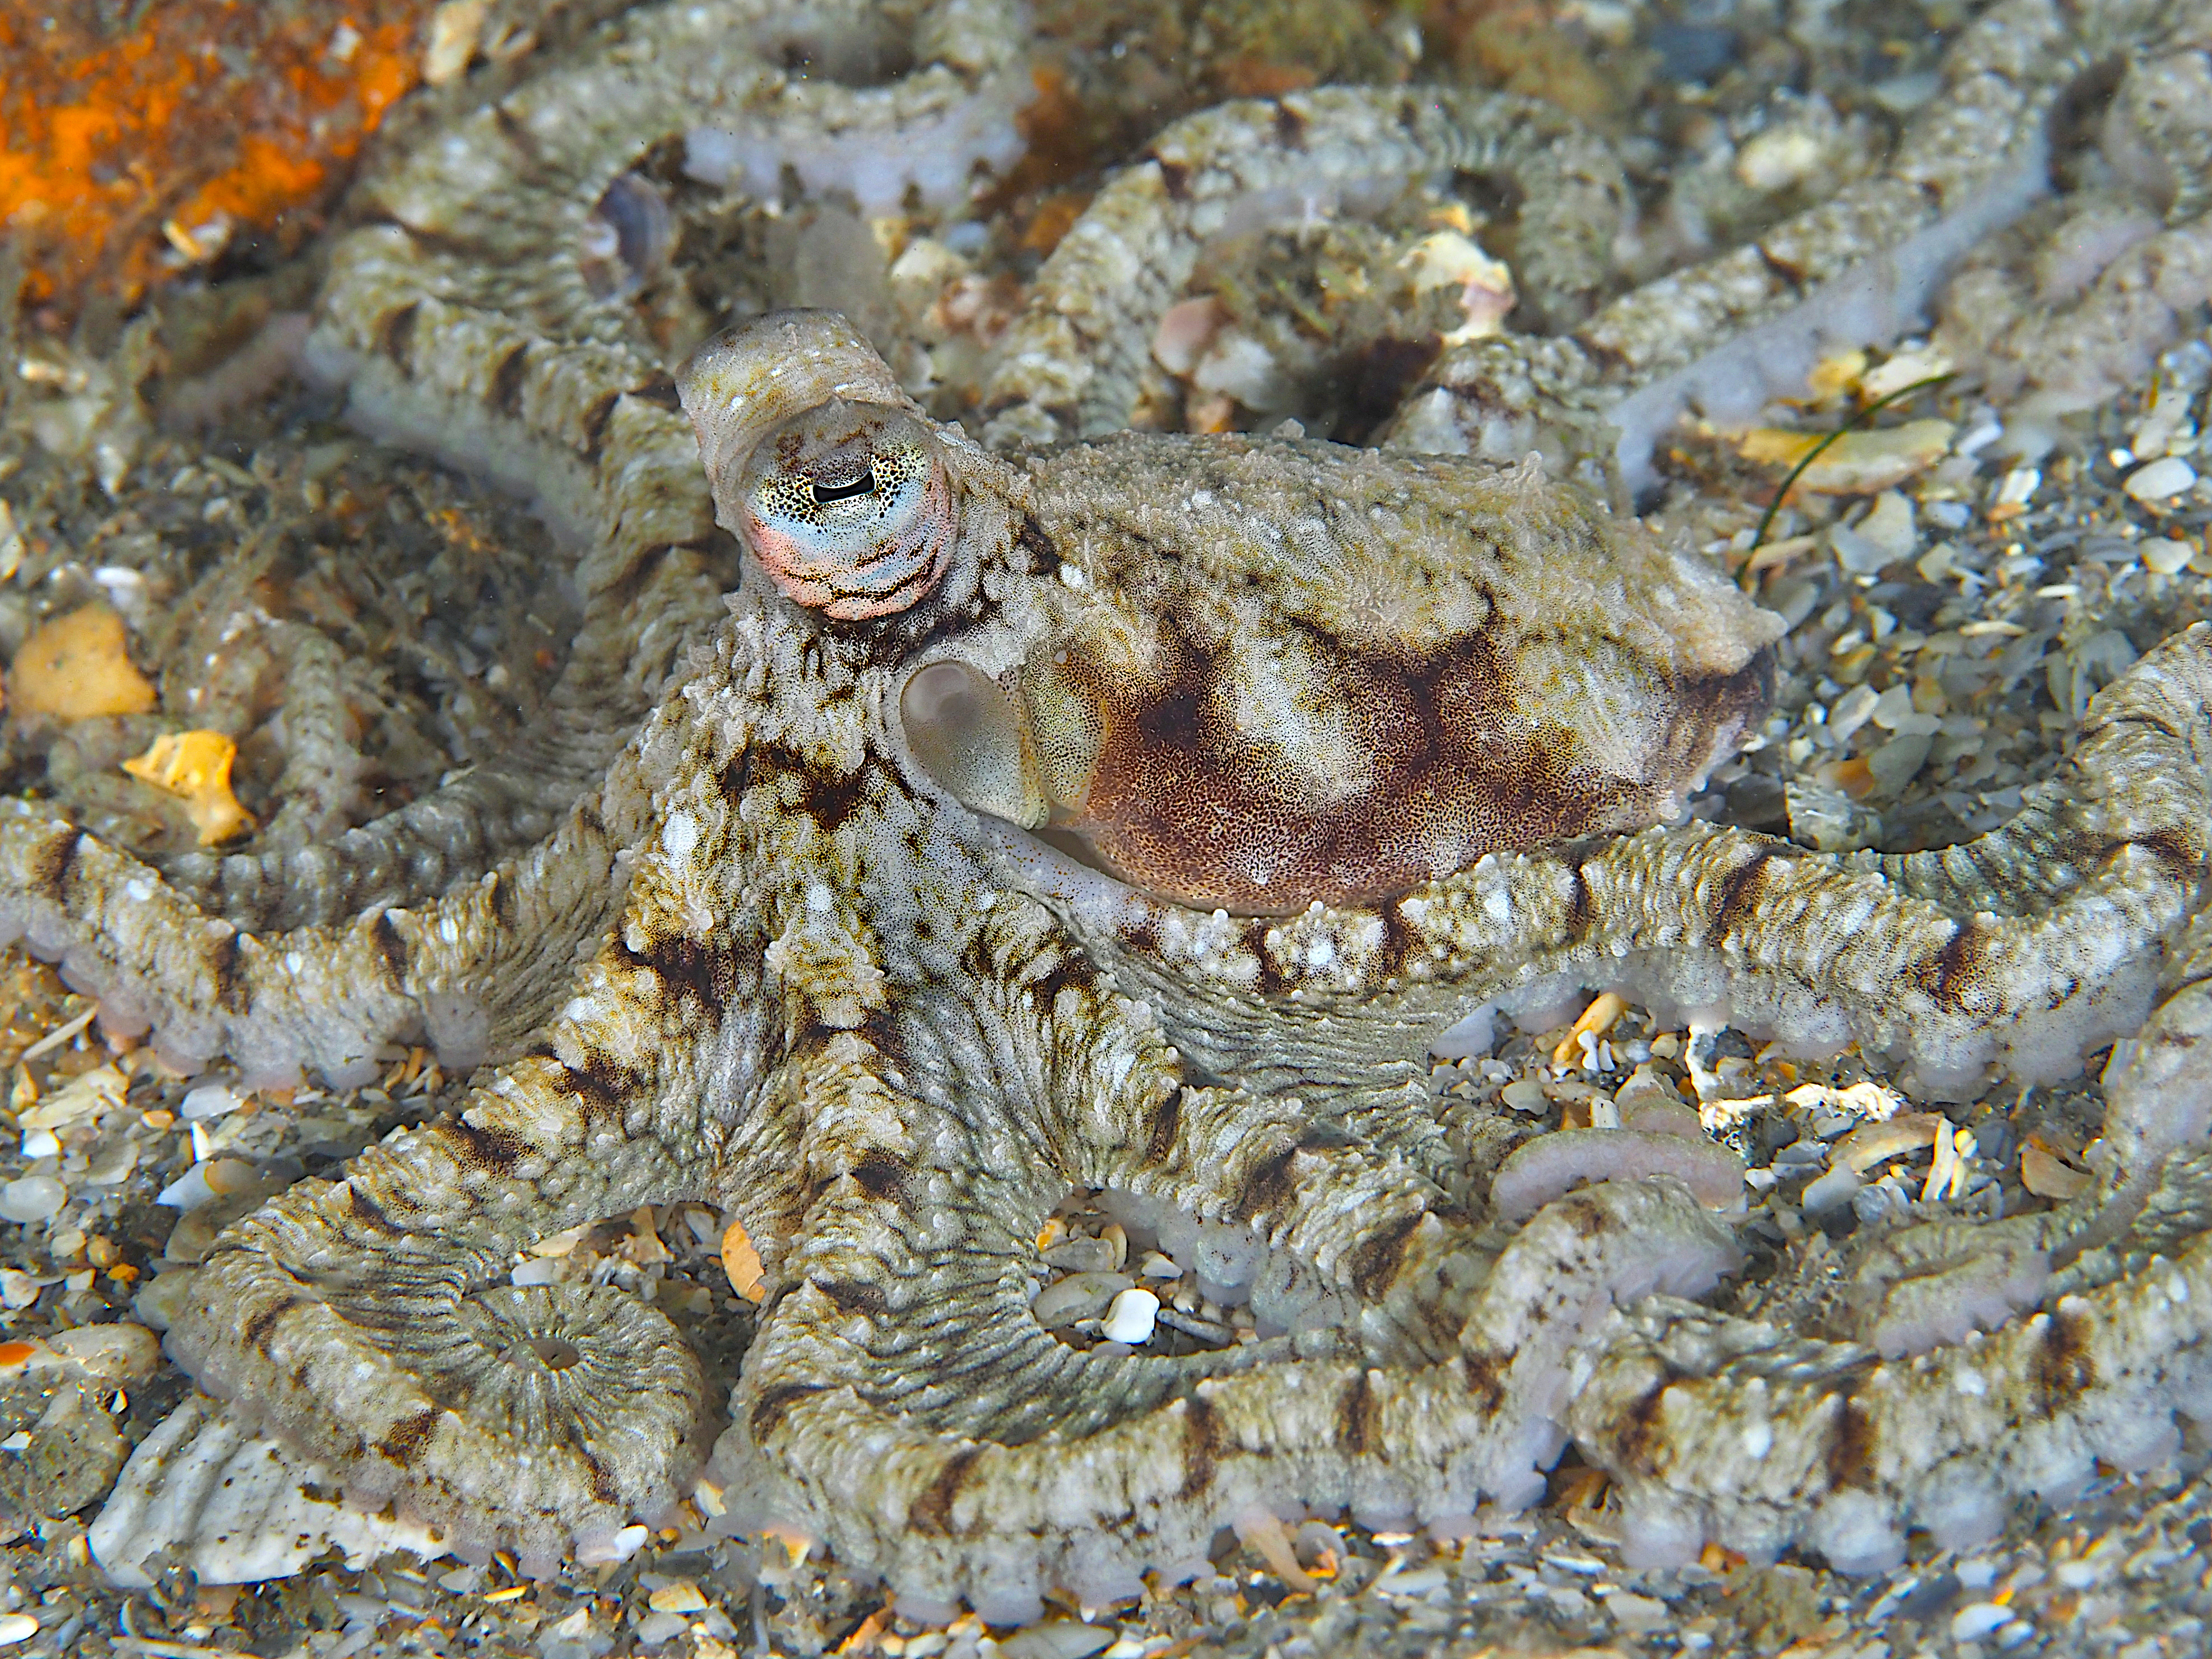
(119, 1353)
(1524, 1095)
(1638, 1614)
(2166, 556)
(1977, 1619)
(1083, 1255)
(1131, 1317)
(33, 1198)
(2161, 480)
(1064, 1638)
(1831, 1191)
(681, 1596)
(1079, 1295)
(1896, 762)
(658, 1627)
(211, 1100)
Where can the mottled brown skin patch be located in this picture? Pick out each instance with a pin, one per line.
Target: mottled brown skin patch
(932, 1512)
(1485, 1379)
(1201, 1446)
(1269, 1184)
(505, 395)
(2176, 856)
(1587, 1217)
(1044, 556)
(1358, 1416)
(2062, 1370)
(371, 1214)
(775, 1404)
(1376, 1262)
(602, 1478)
(1852, 1441)
(1738, 898)
(602, 1082)
(881, 1176)
(1063, 971)
(228, 974)
(1166, 1125)
(596, 421)
(1581, 912)
(1957, 965)
(395, 335)
(1182, 804)
(1640, 1440)
(411, 1436)
(256, 1329)
(390, 948)
(495, 1152)
(50, 875)
(699, 971)
(502, 897)
(661, 392)
(830, 799)
(854, 1297)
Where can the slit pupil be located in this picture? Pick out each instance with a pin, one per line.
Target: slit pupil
(824, 492)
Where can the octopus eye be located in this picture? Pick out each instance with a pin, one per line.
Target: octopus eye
(849, 509)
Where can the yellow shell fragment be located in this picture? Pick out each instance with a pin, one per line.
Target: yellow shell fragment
(1875, 1143)
(1448, 259)
(196, 765)
(743, 1264)
(78, 667)
(1832, 376)
(1857, 464)
(1597, 1020)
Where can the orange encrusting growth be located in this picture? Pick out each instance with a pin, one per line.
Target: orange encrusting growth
(206, 111)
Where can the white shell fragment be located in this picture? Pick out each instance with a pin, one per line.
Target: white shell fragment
(236, 1506)
(2161, 480)
(1131, 1318)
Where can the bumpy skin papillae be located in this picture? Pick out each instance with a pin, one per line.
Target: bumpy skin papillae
(2027, 946)
(889, 1034)
(1854, 1448)
(809, 1014)
(464, 320)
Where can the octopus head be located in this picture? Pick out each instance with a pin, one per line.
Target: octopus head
(821, 465)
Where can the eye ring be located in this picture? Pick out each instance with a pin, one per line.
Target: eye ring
(849, 508)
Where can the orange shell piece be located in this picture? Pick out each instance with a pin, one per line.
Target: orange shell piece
(77, 667)
(196, 766)
(743, 1264)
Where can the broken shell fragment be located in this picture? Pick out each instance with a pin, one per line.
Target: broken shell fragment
(196, 767)
(78, 667)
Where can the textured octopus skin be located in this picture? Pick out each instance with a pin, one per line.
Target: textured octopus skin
(890, 1032)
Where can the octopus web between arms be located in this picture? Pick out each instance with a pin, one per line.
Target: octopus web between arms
(1135, 815)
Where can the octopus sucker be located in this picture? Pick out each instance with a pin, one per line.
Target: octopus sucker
(925, 828)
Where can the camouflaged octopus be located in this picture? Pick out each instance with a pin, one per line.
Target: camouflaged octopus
(1138, 815)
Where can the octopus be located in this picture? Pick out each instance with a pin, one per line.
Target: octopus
(1137, 814)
